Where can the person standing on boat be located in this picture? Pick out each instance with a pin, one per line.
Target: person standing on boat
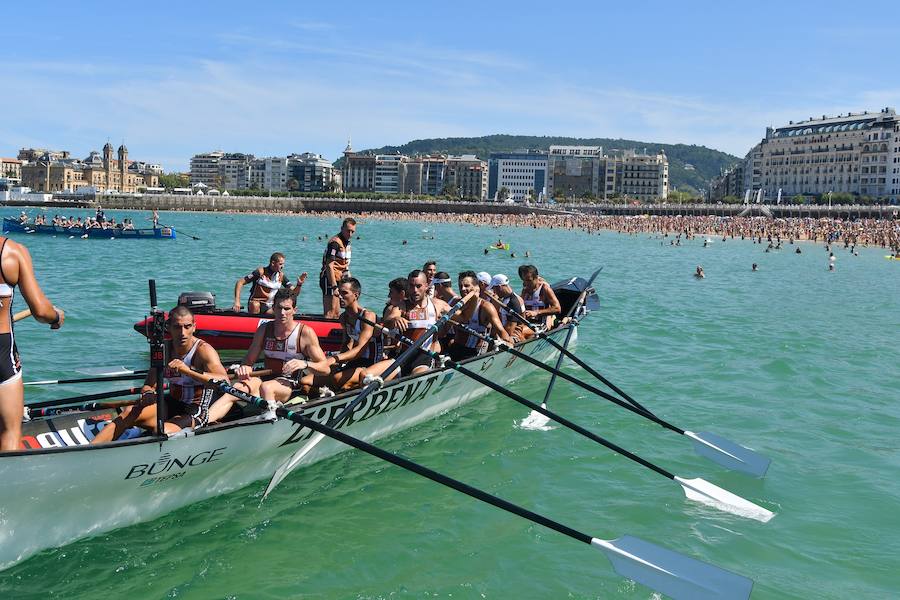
(413, 320)
(266, 282)
(541, 304)
(478, 315)
(192, 363)
(16, 270)
(361, 346)
(290, 350)
(430, 268)
(335, 265)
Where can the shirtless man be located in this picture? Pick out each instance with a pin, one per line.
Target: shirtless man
(192, 363)
(413, 319)
(541, 304)
(361, 347)
(16, 270)
(335, 265)
(509, 304)
(291, 351)
(478, 315)
(266, 282)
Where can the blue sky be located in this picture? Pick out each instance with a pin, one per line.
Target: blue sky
(271, 78)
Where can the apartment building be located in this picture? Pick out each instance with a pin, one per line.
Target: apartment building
(575, 171)
(469, 175)
(523, 174)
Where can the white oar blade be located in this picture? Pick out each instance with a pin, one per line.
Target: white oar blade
(536, 421)
(700, 490)
(285, 469)
(728, 454)
(671, 573)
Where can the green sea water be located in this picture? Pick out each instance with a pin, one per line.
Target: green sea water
(793, 360)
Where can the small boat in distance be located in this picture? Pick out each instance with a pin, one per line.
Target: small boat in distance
(16, 226)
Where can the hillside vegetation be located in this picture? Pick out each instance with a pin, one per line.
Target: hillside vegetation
(707, 162)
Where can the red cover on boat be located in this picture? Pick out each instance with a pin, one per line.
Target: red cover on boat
(229, 330)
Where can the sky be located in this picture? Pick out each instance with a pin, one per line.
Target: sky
(171, 80)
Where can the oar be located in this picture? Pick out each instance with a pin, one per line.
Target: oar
(536, 420)
(401, 360)
(708, 445)
(696, 489)
(87, 406)
(111, 377)
(180, 232)
(671, 573)
(84, 398)
(22, 314)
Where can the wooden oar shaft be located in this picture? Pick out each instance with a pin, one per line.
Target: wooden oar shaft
(22, 314)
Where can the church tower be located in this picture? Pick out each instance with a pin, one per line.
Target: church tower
(123, 169)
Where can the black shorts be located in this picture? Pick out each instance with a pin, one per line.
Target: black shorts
(10, 368)
(327, 290)
(195, 414)
(460, 353)
(420, 360)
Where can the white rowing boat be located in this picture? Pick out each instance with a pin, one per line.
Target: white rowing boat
(92, 489)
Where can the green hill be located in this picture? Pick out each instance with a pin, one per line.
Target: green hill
(707, 162)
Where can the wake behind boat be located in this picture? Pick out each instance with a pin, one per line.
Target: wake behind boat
(16, 226)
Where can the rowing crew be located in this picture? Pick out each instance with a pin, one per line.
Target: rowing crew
(294, 362)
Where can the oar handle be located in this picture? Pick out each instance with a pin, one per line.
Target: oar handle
(22, 314)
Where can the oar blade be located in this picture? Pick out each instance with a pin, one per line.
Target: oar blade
(285, 469)
(729, 454)
(536, 421)
(700, 490)
(671, 573)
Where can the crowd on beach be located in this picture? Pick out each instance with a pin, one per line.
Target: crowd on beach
(884, 233)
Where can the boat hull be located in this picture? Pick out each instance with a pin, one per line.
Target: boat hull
(159, 233)
(88, 490)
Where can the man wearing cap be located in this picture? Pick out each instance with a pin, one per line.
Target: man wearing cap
(509, 305)
(484, 282)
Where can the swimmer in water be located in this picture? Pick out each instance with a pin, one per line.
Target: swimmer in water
(699, 274)
(755, 267)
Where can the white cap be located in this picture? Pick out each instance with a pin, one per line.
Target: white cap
(498, 280)
(484, 277)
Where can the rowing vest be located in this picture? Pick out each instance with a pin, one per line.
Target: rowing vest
(278, 351)
(533, 300)
(10, 365)
(373, 351)
(420, 319)
(182, 387)
(505, 307)
(468, 340)
(265, 286)
(340, 254)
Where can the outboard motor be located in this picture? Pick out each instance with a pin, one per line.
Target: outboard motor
(198, 301)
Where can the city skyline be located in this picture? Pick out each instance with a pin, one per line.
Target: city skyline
(174, 83)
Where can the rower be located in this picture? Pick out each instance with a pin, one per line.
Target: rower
(291, 351)
(478, 315)
(16, 270)
(266, 282)
(361, 347)
(335, 265)
(412, 320)
(192, 363)
(541, 304)
(509, 306)
(443, 288)
(484, 282)
(398, 294)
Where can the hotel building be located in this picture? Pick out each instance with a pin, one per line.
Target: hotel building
(856, 153)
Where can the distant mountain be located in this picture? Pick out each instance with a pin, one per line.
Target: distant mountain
(707, 162)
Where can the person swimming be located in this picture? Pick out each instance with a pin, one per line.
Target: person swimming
(699, 274)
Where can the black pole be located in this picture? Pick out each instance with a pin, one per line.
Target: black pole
(157, 339)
